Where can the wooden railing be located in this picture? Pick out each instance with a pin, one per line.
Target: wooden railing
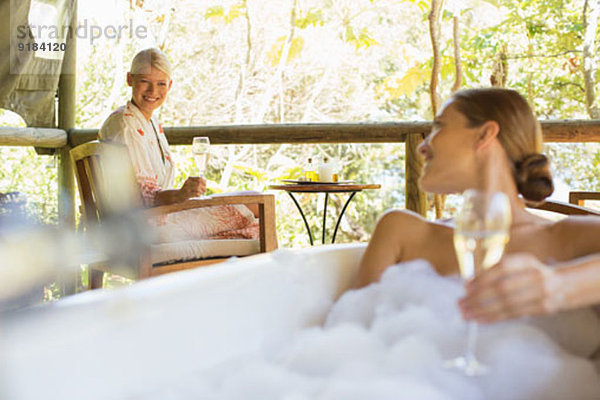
(385, 132)
(382, 132)
(60, 141)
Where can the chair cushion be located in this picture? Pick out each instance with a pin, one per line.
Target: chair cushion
(198, 249)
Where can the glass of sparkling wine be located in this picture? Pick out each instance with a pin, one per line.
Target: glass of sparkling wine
(480, 235)
(201, 152)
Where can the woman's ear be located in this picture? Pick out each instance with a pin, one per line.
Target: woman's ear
(170, 84)
(488, 132)
(129, 79)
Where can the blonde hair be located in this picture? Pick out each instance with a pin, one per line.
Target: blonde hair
(520, 135)
(151, 57)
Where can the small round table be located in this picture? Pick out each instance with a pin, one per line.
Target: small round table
(316, 187)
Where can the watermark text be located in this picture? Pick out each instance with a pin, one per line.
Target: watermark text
(84, 30)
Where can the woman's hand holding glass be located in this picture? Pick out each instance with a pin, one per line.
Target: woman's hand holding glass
(519, 285)
(194, 186)
(481, 233)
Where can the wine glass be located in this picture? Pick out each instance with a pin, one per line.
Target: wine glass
(479, 238)
(201, 152)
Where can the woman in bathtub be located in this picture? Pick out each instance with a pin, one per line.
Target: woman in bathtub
(489, 139)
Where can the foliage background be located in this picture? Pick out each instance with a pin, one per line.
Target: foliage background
(273, 61)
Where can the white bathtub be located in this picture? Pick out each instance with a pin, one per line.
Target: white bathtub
(121, 344)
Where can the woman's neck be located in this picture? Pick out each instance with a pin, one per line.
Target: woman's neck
(497, 176)
(147, 117)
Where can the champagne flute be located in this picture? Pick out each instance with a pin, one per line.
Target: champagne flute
(201, 152)
(479, 238)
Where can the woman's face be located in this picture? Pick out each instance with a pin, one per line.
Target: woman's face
(149, 91)
(449, 153)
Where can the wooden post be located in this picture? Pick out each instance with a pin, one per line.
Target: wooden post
(66, 121)
(415, 198)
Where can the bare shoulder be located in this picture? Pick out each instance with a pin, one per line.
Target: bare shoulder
(402, 219)
(581, 233)
(413, 235)
(394, 233)
(579, 223)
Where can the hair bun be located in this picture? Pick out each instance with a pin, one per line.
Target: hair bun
(534, 180)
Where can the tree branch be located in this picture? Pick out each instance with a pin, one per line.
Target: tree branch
(434, 32)
(244, 68)
(590, 24)
(457, 59)
(542, 55)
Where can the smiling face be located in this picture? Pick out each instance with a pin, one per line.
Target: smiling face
(149, 90)
(449, 153)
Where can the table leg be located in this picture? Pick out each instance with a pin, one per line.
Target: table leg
(337, 224)
(303, 217)
(324, 218)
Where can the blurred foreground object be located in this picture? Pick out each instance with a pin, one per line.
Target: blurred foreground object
(13, 217)
(33, 255)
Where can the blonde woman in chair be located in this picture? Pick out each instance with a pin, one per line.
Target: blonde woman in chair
(135, 126)
(490, 139)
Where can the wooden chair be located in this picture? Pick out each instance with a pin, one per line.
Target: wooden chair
(579, 197)
(96, 164)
